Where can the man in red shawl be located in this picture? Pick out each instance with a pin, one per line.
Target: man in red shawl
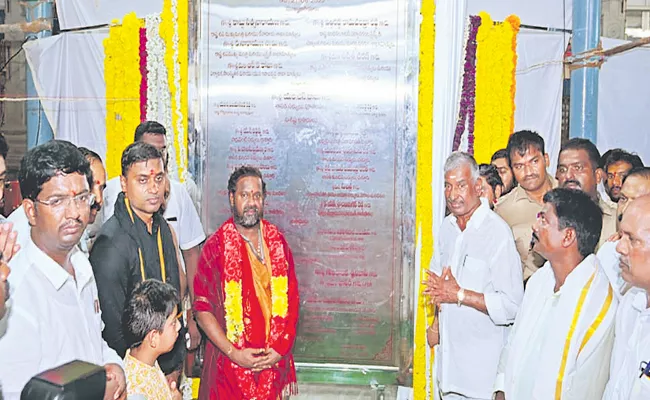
(246, 301)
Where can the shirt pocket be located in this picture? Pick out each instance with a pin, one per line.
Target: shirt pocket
(641, 388)
(473, 273)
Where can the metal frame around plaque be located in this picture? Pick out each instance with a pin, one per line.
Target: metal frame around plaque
(268, 79)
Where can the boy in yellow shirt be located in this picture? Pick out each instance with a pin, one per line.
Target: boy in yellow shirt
(151, 327)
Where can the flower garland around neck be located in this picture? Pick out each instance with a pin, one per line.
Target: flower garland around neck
(468, 94)
(496, 63)
(233, 303)
(123, 77)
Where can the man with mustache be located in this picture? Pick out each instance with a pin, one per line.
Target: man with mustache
(476, 284)
(562, 338)
(519, 208)
(55, 316)
(629, 369)
(136, 244)
(578, 168)
(247, 301)
(617, 164)
(635, 185)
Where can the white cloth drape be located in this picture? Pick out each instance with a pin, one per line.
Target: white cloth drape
(623, 101)
(449, 56)
(538, 101)
(84, 13)
(68, 71)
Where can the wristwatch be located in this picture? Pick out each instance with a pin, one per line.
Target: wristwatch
(460, 296)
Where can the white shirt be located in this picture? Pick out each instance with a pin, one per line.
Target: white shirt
(180, 212)
(483, 258)
(52, 320)
(586, 365)
(631, 348)
(609, 259)
(21, 225)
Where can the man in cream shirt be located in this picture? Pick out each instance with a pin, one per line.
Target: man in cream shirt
(562, 338)
(477, 286)
(629, 371)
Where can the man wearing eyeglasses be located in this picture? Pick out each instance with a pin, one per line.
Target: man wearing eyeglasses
(135, 244)
(55, 316)
(629, 372)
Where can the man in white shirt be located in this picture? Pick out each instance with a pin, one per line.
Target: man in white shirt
(562, 339)
(635, 184)
(54, 317)
(629, 371)
(477, 285)
(180, 213)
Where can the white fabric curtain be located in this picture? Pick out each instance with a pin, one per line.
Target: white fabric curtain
(84, 13)
(538, 101)
(68, 71)
(623, 101)
(451, 22)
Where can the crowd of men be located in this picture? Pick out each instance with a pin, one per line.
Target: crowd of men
(541, 283)
(104, 272)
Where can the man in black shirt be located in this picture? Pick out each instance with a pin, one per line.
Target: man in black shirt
(135, 244)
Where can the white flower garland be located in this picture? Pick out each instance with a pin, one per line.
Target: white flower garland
(158, 97)
(180, 131)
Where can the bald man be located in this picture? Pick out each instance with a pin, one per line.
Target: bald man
(635, 184)
(629, 369)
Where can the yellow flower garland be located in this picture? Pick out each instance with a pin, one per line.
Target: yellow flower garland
(280, 301)
(122, 76)
(496, 61)
(234, 311)
(424, 198)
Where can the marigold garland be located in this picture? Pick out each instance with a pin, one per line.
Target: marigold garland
(423, 379)
(279, 289)
(137, 55)
(495, 85)
(234, 311)
(123, 82)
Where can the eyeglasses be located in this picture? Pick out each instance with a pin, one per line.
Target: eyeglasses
(80, 200)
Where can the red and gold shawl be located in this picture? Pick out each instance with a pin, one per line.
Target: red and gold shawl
(225, 286)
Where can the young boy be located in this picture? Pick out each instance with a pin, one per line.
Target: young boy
(151, 327)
